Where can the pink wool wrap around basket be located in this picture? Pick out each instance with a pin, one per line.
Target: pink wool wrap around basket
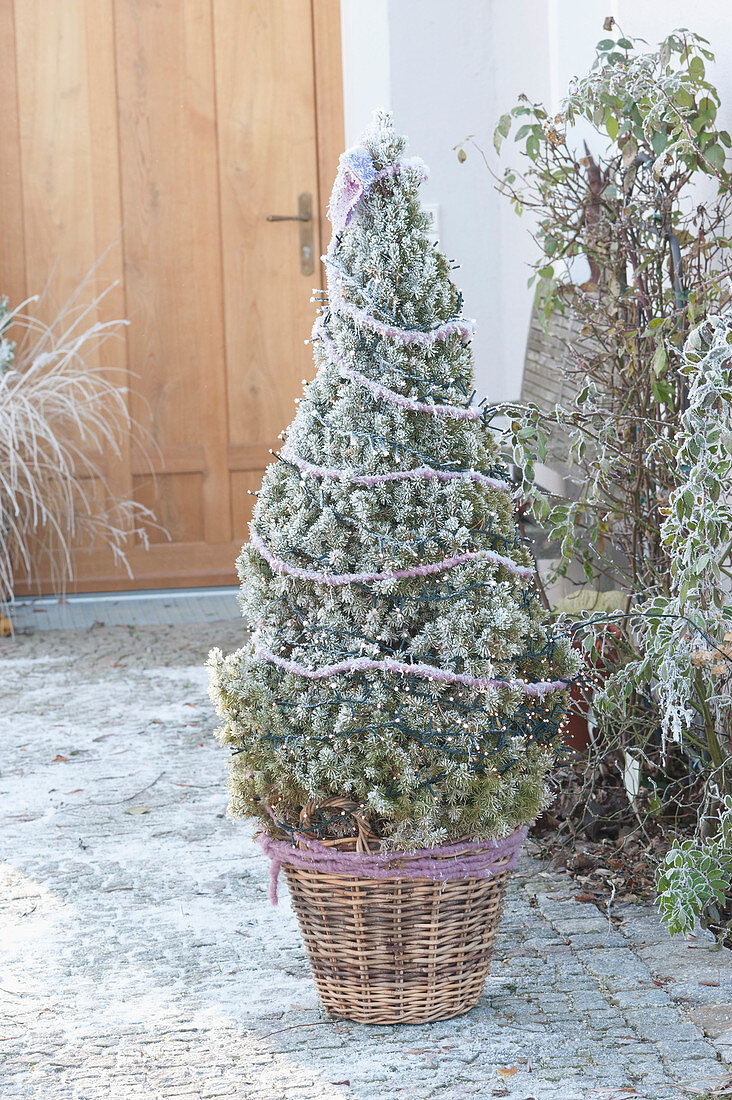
(396, 937)
(479, 859)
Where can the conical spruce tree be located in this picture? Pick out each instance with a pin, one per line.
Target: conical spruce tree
(398, 656)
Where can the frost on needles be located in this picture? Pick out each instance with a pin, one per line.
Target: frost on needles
(398, 655)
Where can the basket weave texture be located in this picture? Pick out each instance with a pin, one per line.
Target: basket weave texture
(397, 950)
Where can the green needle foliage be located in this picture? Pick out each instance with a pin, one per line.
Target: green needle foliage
(424, 761)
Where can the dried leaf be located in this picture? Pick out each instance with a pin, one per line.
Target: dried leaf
(138, 810)
(59, 759)
(6, 627)
(630, 150)
(507, 1071)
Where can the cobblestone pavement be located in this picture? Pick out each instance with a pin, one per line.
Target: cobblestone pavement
(141, 958)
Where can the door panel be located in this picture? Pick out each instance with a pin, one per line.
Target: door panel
(267, 156)
(172, 244)
(160, 136)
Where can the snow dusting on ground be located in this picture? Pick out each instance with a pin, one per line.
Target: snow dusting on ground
(140, 957)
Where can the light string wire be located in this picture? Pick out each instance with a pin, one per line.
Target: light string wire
(375, 439)
(309, 630)
(456, 702)
(461, 327)
(427, 378)
(413, 546)
(478, 747)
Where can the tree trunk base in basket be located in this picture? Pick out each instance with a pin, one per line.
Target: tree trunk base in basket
(388, 951)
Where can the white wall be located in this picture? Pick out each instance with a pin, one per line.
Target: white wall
(449, 68)
(366, 68)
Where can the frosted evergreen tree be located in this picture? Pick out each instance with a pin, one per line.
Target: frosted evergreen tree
(398, 655)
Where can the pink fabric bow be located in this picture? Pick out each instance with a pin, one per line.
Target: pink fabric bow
(355, 175)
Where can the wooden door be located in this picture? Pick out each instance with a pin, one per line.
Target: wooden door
(160, 136)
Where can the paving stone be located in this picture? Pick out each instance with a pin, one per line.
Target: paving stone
(700, 1071)
(601, 940)
(683, 1050)
(714, 1020)
(640, 997)
(613, 963)
(580, 924)
(144, 959)
(662, 1023)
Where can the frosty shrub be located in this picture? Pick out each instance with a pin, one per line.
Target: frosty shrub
(687, 635)
(399, 657)
(629, 252)
(628, 190)
(694, 880)
(653, 260)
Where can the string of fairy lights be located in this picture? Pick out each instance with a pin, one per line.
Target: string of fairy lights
(464, 724)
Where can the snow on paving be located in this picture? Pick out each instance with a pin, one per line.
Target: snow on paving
(140, 956)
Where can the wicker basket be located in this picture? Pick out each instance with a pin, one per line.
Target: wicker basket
(387, 951)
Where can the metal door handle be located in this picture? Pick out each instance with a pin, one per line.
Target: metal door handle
(288, 217)
(305, 217)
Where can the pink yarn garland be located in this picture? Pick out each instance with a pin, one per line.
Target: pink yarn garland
(430, 672)
(454, 411)
(419, 473)
(478, 859)
(337, 579)
(459, 327)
